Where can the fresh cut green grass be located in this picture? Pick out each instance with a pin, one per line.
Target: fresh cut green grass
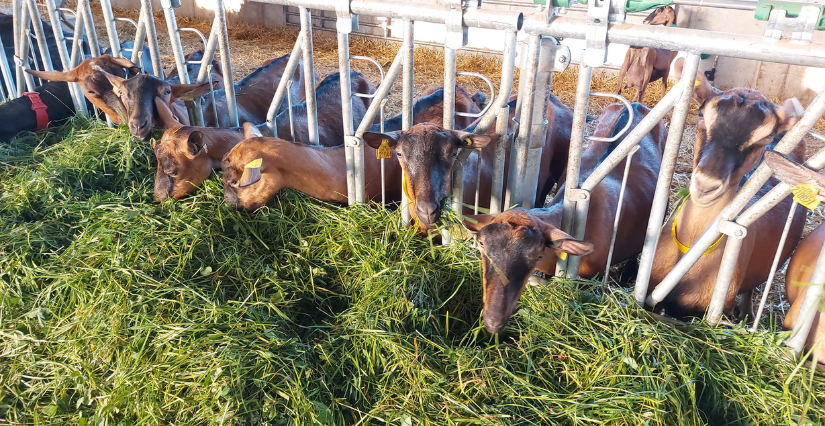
(115, 310)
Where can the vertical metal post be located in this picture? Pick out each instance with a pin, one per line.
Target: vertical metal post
(777, 256)
(309, 71)
(733, 246)
(662, 195)
(538, 127)
(22, 48)
(85, 9)
(226, 63)
(152, 36)
(209, 52)
(574, 158)
(810, 305)
(40, 34)
(17, 38)
(195, 112)
(502, 143)
(60, 40)
(521, 145)
(407, 101)
(346, 110)
(11, 88)
(111, 28)
(77, 43)
(140, 38)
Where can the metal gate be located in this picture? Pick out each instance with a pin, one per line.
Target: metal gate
(603, 23)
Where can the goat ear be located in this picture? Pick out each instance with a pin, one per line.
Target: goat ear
(702, 89)
(471, 140)
(251, 173)
(195, 143)
(70, 76)
(189, 91)
(123, 63)
(561, 241)
(475, 222)
(793, 173)
(166, 117)
(374, 140)
(789, 114)
(251, 131)
(118, 83)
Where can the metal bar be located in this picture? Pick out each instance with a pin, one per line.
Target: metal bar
(653, 118)
(744, 196)
(408, 49)
(40, 34)
(574, 157)
(5, 68)
(733, 247)
(194, 108)
(502, 139)
(689, 40)
(774, 267)
(383, 180)
(309, 71)
(111, 28)
(618, 213)
(140, 39)
(91, 31)
(448, 117)
(209, 52)
(226, 63)
(810, 304)
(346, 112)
(152, 37)
(492, 94)
(77, 42)
(719, 4)
(538, 130)
(662, 194)
(508, 66)
(291, 118)
(289, 70)
(521, 146)
(78, 99)
(631, 116)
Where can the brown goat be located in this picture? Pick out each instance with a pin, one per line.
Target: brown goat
(187, 155)
(330, 119)
(803, 261)
(253, 95)
(216, 73)
(94, 84)
(734, 127)
(427, 153)
(516, 242)
(643, 65)
(316, 171)
(429, 108)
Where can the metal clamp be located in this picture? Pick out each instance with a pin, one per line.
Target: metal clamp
(554, 56)
(347, 21)
(598, 16)
(577, 195)
(732, 229)
(352, 141)
(801, 26)
(456, 34)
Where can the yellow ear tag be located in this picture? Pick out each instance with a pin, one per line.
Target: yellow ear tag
(697, 83)
(251, 173)
(468, 141)
(805, 194)
(383, 150)
(562, 255)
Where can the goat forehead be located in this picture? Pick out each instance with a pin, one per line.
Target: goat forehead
(734, 121)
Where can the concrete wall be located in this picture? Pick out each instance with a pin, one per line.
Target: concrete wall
(770, 78)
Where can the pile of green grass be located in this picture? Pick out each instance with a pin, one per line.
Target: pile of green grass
(118, 311)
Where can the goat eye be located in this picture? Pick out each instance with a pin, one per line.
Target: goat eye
(397, 154)
(168, 91)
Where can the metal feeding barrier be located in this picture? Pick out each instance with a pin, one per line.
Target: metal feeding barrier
(603, 24)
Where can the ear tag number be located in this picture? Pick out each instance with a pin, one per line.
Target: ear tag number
(805, 194)
(383, 150)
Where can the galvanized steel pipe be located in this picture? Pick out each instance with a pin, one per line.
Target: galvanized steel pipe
(309, 71)
(226, 63)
